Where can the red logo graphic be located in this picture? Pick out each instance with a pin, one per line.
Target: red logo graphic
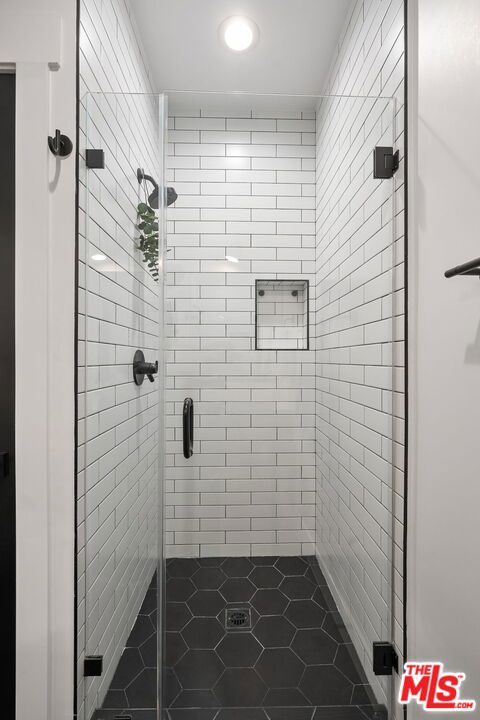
(430, 686)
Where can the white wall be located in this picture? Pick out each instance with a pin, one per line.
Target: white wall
(359, 331)
(444, 492)
(118, 453)
(246, 189)
(31, 36)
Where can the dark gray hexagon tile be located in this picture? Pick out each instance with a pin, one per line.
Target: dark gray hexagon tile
(142, 691)
(141, 631)
(211, 561)
(182, 567)
(149, 604)
(209, 578)
(325, 685)
(239, 649)
(324, 598)
(345, 712)
(297, 588)
(280, 668)
(348, 662)
(190, 714)
(269, 602)
(171, 687)
(115, 699)
(199, 669)
(264, 560)
(240, 687)
(335, 627)
(265, 577)
(175, 648)
(203, 633)
(305, 614)
(206, 603)
(148, 651)
(195, 699)
(237, 567)
(241, 714)
(237, 590)
(274, 631)
(286, 698)
(179, 589)
(129, 666)
(177, 615)
(314, 647)
(289, 713)
(291, 565)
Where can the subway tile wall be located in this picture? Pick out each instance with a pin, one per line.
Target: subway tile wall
(359, 330)
(246, 210)
(118, 313)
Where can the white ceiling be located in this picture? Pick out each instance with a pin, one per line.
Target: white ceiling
(293, 56)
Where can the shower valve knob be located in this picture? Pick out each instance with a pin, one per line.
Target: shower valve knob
(142, 368)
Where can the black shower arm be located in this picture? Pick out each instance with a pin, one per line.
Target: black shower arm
(141, 176)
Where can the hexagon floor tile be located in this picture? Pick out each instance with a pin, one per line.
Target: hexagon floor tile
(295, 662)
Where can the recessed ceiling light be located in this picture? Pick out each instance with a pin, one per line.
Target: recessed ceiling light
(238, 33)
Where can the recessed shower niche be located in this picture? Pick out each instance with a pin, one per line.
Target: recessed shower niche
(281, 315)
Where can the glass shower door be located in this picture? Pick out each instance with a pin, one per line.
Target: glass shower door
(280, 526)
(120, 444)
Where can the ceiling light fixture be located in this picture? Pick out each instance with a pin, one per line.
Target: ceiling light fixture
(238, 33)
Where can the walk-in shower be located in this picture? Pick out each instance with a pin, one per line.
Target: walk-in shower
(235, 523)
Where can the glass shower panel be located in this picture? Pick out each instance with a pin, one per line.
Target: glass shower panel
(120, 483)
(279, 526)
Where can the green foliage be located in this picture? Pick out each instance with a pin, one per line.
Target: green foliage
(147, 226)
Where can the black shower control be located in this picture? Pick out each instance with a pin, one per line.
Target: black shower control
(142, 368)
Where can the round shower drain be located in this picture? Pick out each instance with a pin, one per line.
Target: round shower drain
(236, 618)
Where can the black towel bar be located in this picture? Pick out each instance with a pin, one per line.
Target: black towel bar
(469, 268)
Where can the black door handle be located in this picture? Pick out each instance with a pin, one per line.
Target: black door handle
(188, 428)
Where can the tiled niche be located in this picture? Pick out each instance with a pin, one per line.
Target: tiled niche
(281, 315)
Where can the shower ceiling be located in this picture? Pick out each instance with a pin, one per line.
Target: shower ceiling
(295, 52)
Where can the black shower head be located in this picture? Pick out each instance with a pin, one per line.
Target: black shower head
(170, 194)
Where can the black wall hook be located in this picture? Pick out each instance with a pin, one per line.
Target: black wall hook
(60, 145)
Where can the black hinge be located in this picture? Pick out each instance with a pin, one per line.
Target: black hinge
(93, 665)
(385, 659)
(4, 465)
(385, 162)
(95, 159)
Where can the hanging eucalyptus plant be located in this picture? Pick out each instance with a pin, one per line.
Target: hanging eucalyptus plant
(147, 226)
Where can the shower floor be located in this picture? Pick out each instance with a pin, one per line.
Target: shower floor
(294, 662)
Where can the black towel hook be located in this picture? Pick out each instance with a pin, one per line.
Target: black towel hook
(60, 145)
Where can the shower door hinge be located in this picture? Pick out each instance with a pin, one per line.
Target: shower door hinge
(385, 162)
(95, 159)
(93, 665)
(385, 659)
